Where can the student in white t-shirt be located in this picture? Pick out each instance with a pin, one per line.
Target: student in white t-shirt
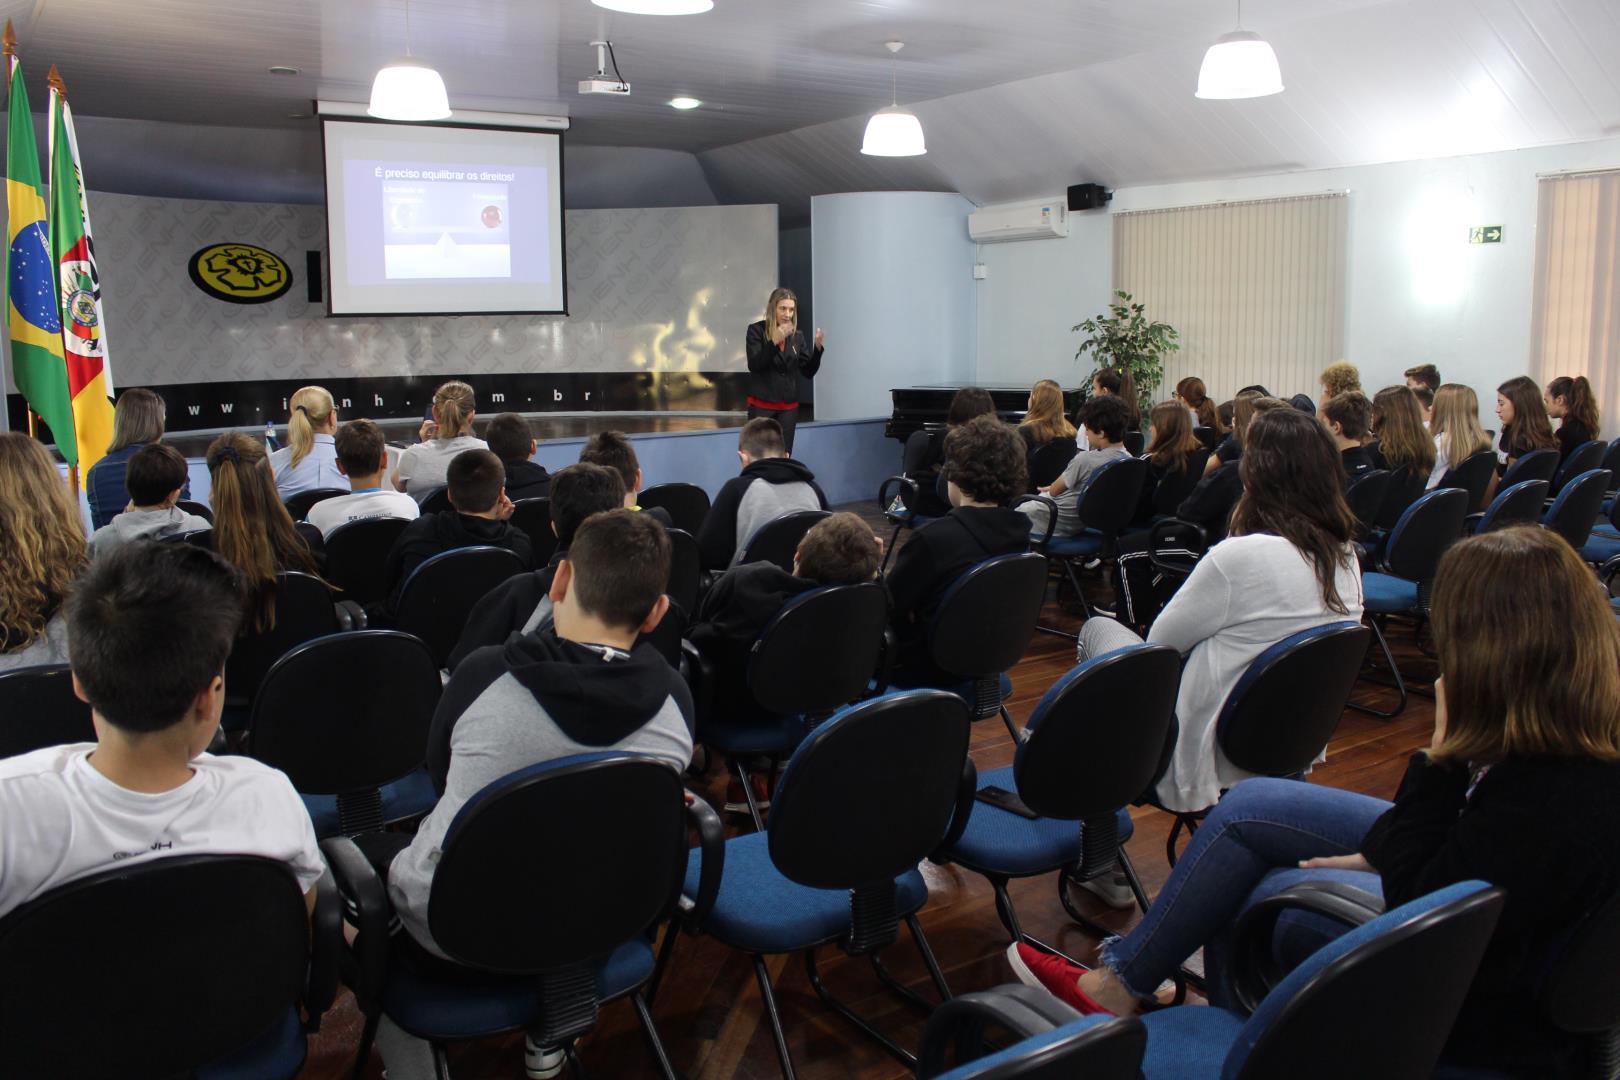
(310, 460)
(150, 625)
(362, 457)
(425, 466)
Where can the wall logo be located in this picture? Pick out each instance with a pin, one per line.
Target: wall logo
(240, 273)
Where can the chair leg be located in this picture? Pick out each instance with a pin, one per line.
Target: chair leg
(1004, 908)
(762, 973)
(899, 1052)
(441, 1062)
(666, 949)
(1400, 683)
(653, 1041)
(1012, 728)
(929, 961)
(1183, 821)
(1084, 610)
(368, 1036)
(571, 1061)
(888, 551)
(748, 793)
(1128, 868)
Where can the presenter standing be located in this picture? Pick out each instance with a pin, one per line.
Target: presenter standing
(777, 356)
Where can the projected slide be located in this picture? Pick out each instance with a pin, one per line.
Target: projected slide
(433, 228)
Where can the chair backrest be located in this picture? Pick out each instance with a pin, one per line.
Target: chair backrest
(1611, 459)
(1108, 500)
(1577, 507)
(1520, 504)
(666, 636)
(533, 516)
(38, 708)
(304, 610)
(778, 539)
(1173, 487)
(440, 593)
(1078, 759)
(1377, 1001)
(1134, 442)
(1473, 475)
(986, 618)
(1428, 527)
(434, 501)
(1581, 992)
(1208, 436)
(346, 712)
(1049, 460)
(1283, 710)
(177, 962)
(1097, 1047)
(841, 626)
(1584, 458)
(581, 885)
(1405, 487)
(1366, 495)
(685, 569)
(895, 759)
(202, 510)
(1536, 465)
(357, 557)
(298, 505)
(687, 504)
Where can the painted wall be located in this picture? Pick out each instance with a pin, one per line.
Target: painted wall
(894, 291)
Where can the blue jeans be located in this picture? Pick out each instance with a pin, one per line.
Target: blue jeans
(1247, 849)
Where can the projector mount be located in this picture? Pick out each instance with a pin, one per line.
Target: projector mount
(601, 82)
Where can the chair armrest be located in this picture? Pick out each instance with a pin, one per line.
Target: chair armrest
(960, 1022)
(1607, 571)
(1471, 522)
(1160, 533)
(966, 788)
(712, 842)
(325, 951)
(1255, 969)
(369, 909)
(350, 615)
(895, 485)
(700, 680)
(1051, 518)
(890, 649)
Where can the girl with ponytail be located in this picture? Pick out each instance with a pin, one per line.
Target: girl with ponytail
(423, 468)
(1190, 392)
(1571, 402)
(310, 459)
(252, 529)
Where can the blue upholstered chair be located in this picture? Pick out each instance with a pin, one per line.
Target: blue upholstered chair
(1536, 465)
(1520, 504)
(1604, 543)
(1584, 458)
(1052, 1040)
(896, 497)
(1106, 503)
(1576, 508)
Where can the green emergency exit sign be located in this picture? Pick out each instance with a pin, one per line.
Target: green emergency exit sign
(1485, 234)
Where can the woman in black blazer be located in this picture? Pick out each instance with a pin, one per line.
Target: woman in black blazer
(777, 356)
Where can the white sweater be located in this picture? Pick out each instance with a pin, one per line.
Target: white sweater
(1246, 595)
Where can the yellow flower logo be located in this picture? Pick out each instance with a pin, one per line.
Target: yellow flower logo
(240, 273)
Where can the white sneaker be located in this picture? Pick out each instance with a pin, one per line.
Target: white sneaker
(542, 1062)
(1111, 889)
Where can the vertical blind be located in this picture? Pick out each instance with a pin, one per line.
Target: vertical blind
(1255, 289)
(1575, 322)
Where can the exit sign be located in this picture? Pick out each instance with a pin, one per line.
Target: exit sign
(1485, 234)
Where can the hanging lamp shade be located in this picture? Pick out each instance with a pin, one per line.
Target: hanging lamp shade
(1239, 65)
(657, 7)
(407, 89)
(893, 132)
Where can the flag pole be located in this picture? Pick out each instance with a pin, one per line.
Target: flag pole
(9, 42)
(54, 77)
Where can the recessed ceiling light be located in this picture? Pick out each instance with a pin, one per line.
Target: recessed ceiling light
(283, 69)
(684, 103)
(298, 116)
(657, 7)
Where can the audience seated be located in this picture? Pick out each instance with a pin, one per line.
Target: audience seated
(614, 450)
(1045, 421)
(1117, 382)
(1172, 453)
(424, 468)
(155, 476)
(1339, 378)
(477, 518)
(41, 551)
(1520, 787)
(1525, 426)
(1402, 442)
(138, 419)
(522, 605)
(1211, 502)
(511, 440)
(309, 461)
(1457, 433)
(1231, 447)
(1423, 377)
(1572, 404)
(924, 451)
(1191, 393)
(362, 458)
(1348, 418)
(150, 626)
(771, 484)
(1103, 419)
(252, 529)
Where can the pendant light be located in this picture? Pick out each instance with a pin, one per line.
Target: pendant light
(407, 89)
(657, 7)
(893, 132)
(1239, 65)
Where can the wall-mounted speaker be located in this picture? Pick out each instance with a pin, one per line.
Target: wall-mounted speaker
(1088, 196)
(313, 278)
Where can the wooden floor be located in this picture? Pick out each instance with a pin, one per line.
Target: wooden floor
(709, 1010)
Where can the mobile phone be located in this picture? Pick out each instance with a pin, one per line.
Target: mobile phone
(1002, 799)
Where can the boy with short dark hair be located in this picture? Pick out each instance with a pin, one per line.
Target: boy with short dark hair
(613, 450)
(362, 456)
(771, 484)
(1348, 418)
(1424, 375)
(149, 628)
(1102, 420)
(511, 440)
(522, 605)
(155, 476)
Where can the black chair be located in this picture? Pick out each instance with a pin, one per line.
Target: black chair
(1054, 1041)
(1038, 543)
(1134, 443)
(777, 540)
(1366, 497)
(1049, 460)
(687, 504)
(202, 510)
(685, 569)
(1474, 476)
(1106, 503)
(1174, 487)
(1580, 994)
(533, 516)
(38, 709)
(441, 592)
(1278, 718)
(353, 749)
(357, 557)
(1584, 458)
(548, 910)
(298, 505)
(1611, 461)
(1406, 486)
(1536, 465)
(1520, 504)
(666, 636)
(1208, 436)
(895, 495)
(1575, 510)
(982, 626)
(1092, 746)
(435, 501)
(305, 609)
(825, 871)
(164, 966)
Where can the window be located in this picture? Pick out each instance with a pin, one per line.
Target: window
(1575, 322)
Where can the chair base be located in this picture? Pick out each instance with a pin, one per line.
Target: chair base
(1398, 683)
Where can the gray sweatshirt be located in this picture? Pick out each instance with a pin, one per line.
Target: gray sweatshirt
(145, 525)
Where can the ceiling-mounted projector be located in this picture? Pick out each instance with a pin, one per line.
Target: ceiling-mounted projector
(602, 82)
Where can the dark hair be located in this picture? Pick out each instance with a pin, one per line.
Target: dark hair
(613, 449)
(1580, 406)
(840, 550)
(361, 448)
(1530, 429)
(1424, 395)
(149, 627)
(509, 437)
(474, 481)
(1303, 403)
(985, 458)
(1293, 487)
(968, 402)
(155, 471)
(1257, 389)
(1174, 443)
(1191, 391)
(1107, 416)
(1351, 411)
(1225, 413)
(1119, 383)
(621, 564)
(762, 438)
(579, 491)
(1427, 374)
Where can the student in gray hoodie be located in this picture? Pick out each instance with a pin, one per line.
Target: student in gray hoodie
(771, 485)
(155, 476)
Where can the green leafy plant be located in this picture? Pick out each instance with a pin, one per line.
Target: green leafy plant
(1125, 338)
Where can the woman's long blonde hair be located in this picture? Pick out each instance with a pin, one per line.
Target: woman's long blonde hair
(252, 529)
(310, 408)
(137, 418)
(1397, 421)
(41, 540)
(1455, 423)
(777, 296)
(453, 409)
(1045, 419)
(1530, 649)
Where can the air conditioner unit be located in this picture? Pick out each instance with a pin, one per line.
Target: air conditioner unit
(1036, 221)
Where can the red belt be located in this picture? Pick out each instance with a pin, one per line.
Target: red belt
(775, 406)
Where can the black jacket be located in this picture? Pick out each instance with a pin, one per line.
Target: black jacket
(527, 480)
(435, 533)
(1570, 434)
(718, 539)
(773, 371)
(506, 609)
(1356, 461)
(1211, 502)
(734, 612)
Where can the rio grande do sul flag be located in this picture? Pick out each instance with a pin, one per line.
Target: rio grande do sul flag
(84, 340)
(32, 314)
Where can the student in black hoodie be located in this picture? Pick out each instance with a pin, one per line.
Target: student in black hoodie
(1348, 417)
(522, 605)
(511, 440)
(985, 467)
(771, 485)
(477, 490)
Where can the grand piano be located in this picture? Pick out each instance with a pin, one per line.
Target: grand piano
(919, 407)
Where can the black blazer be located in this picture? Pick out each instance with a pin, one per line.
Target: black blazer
(773, 371)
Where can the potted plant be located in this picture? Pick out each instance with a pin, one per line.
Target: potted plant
(1124, 337)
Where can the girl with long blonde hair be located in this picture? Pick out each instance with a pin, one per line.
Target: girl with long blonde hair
(42, 549)
(252, 529)
(1045, 419)
(309, 460)
(1455, 426)
(423, 468)
(1403, 441)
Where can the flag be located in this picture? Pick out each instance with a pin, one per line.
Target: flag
(84, 339)
(32, 315)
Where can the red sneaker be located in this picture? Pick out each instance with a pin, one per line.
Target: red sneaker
(1053, 974)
